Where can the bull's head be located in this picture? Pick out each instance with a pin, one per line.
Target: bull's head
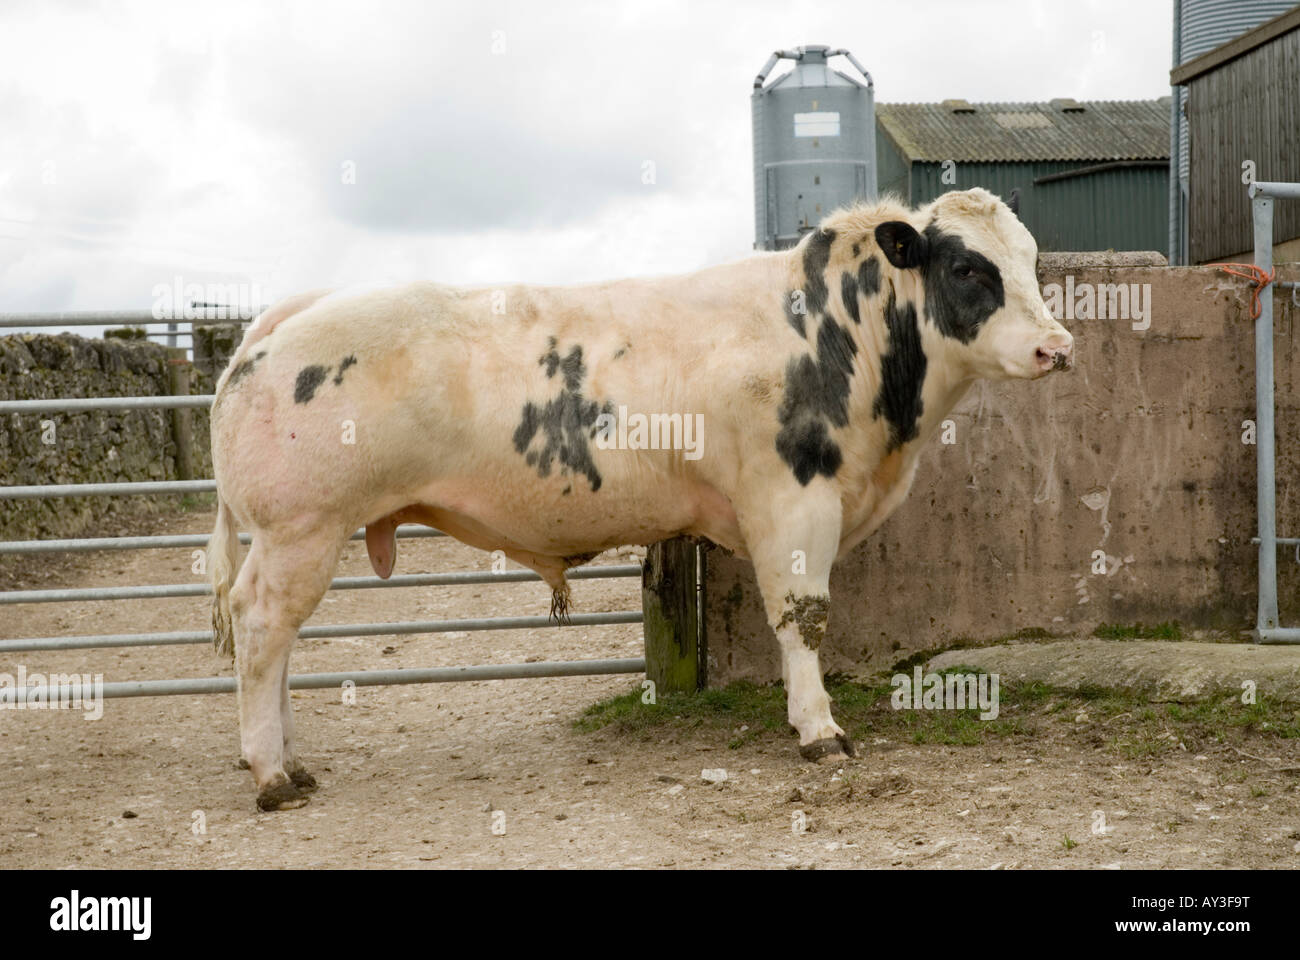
(975, 265)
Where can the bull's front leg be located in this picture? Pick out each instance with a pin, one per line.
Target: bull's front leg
(793, 543)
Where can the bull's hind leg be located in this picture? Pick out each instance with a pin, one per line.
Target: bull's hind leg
(298, 774)
(793, 549)
(280, 584)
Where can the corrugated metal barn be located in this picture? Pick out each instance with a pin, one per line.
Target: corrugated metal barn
(1091, 175)
(1243, 103)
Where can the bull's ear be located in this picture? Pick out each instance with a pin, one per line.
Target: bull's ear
(901, 245)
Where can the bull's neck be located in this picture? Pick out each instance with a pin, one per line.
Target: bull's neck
(882, 373)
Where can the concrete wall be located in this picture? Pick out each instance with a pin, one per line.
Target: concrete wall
(1138, 453)
(91, 447)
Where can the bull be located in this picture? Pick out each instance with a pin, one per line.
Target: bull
(815, 375)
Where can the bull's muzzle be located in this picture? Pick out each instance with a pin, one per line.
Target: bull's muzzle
(1055, 353)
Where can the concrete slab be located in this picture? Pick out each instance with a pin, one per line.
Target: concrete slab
(1163, 670)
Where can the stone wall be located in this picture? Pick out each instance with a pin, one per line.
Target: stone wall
(1137, 453)
(88, 447)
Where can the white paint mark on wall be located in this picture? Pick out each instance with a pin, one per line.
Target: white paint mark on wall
(1098, 499)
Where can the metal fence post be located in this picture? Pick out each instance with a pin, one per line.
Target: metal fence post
(1267, 627)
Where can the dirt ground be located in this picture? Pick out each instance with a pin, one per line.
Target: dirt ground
(422, 775)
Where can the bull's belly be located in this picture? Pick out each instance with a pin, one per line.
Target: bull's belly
(536, 517)
(542, 524)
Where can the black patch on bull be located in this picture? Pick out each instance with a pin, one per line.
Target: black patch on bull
(816, 398)
(563, 421)
(865, 284)
(963, 288)
(244, 369)
(241, 371)
(815, 257)
(816, 254)
(869, 276)
(309, 378)
(349, 361)
(794, 317)
(902, 374)
(849, 294)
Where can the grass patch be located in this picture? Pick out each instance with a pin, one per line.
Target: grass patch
(1170, 630)
(1118, 721)
(197, 501)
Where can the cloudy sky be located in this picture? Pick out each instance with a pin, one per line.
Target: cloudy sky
(487, 141)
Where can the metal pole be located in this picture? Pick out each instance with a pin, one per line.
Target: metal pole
(1175, 101)
(106, 403)
(1283, 191)
(39, 492)
(1265, 492)
(106, 318)
(405, 532)
(104, 641)
(454, 579)
(319, 681)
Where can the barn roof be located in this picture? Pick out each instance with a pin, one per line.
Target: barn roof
(1025, 132)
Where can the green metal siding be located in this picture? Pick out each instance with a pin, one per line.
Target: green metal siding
(891, 168)
(1126, 208)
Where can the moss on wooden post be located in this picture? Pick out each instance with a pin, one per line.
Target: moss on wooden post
(182, 418)
(674, 643)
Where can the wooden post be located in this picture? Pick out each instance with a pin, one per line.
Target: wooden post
(178, 384)
(674, 643)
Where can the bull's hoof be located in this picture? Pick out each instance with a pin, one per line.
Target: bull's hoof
(303, 780)
(828, 748)
(282, 795)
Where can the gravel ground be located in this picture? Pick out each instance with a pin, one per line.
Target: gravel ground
(494, 774)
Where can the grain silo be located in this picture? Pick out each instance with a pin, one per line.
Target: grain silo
(814, 143)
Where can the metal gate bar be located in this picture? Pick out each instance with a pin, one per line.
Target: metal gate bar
(128, 488)
(360, 678)
(108, 318)
(159, 402)
(96, 641)
(1267, 628)
(456, 578)
(407, 531)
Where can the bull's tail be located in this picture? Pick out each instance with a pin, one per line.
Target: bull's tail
(223, 561)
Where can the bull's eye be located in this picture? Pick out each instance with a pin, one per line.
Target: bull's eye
(962, 270)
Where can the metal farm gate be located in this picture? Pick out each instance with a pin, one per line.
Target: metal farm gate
(165, 687)
(1268, 627)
